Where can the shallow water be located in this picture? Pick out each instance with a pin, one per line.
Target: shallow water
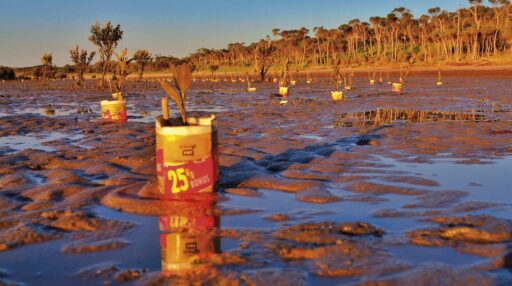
(487, 180)
(30, 141)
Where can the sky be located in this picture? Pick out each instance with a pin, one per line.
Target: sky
(29, 28)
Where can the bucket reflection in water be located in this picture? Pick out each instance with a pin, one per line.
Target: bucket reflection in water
(187, 240)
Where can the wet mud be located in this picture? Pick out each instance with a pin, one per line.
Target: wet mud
(413, 184)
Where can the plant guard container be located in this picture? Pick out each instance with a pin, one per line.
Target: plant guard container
(113, 111)
(336, 95)
(283, 91)
(186, 157)
(396, 87)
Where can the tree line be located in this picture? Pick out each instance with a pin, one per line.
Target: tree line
(468, 34)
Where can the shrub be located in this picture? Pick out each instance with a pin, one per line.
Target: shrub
(7, 73)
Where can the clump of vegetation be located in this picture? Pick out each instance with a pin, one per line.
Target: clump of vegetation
(7, 73)
(182, 78)
(106, 39)
(308, 78)
(143, 58)
(404, 72)
(120, 73)
(439, 77)
(82, 59)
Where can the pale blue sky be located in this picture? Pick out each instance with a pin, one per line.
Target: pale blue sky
(29, 28)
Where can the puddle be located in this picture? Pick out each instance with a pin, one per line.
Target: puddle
(40, 141)
(484, 182)
(313, 137)
(34, 178)
(40, 272)
(420, 254)
(274, 202)
(30, 141)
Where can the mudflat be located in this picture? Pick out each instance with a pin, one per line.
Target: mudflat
(377, 189)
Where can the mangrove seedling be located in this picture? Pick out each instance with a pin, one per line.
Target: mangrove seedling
(439, 77)
(338, 79)
(371, 77)
(82, 60)
(337, 76)
(248, 79)
(120, 73)
(405, 72)
(293, 76)
(308, 78)
(348, 79)
(182, 78)
(283, 78)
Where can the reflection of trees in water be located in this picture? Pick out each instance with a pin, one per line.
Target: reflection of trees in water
(387, 116)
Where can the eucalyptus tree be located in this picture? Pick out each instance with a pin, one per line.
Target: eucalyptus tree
(263, 52)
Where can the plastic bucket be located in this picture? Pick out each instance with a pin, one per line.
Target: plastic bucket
(113, 111)
(396, 87)
(337, 95)
(186, 157)
(283, 91)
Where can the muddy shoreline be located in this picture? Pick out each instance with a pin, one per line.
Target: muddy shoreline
(303, 195)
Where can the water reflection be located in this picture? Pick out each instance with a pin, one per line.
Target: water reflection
(188, 240)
